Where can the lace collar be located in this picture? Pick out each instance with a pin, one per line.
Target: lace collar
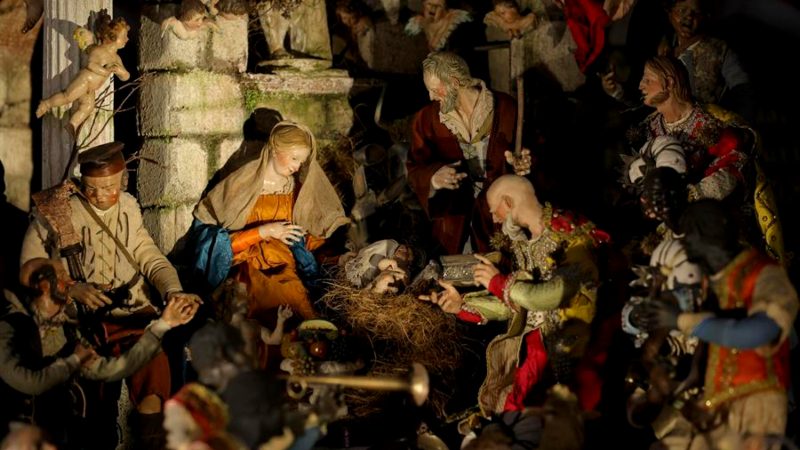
(483, 112)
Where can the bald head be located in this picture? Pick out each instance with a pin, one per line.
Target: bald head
(38, 270)
(512, 196)
(513, 186)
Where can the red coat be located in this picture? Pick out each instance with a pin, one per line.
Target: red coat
(451, 211)
(587, 22)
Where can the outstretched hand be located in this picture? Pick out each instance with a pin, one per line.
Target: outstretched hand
(181, 308)
(449, 299)
(88, 295)
(484, 271)
(284, 313)
(447, 177)
(610, 85)
(520, 161)
(658, 314)
(285, 232)
(86, 354)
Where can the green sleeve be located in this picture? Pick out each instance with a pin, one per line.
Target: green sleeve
(575, 269)
(487, 306)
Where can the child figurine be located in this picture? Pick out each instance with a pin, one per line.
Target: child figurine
(378, 267)
(193, 16)
(354, 15)
(103, 62)
(507, 17)
(254, 335)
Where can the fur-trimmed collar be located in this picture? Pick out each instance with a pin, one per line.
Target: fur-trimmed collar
(437, 35)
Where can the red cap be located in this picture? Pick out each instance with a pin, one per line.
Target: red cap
(102, 160)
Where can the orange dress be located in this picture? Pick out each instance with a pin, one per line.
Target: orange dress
(268, 267)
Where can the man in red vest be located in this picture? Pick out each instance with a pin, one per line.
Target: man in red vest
(747, 371)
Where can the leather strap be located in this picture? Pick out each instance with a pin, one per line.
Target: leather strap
(119, 244)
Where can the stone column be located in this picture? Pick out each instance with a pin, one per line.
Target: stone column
(62, 59)
(191, 113)
(16, 153)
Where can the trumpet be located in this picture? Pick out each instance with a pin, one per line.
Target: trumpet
(417, 383)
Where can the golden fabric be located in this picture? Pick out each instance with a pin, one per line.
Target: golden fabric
(318, 207)
(268, 267)
(763, 195)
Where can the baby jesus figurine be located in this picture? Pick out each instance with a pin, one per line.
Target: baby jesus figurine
(381, 267)
(103, 62)
(506, 16)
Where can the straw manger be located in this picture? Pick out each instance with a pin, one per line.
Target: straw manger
(401, 330)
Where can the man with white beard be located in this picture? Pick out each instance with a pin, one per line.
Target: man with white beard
(461, 142)
(548, 300)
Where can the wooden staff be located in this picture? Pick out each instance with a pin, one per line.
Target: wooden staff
(520, 114)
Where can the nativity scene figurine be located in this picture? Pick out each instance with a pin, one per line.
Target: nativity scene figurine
(101, 47)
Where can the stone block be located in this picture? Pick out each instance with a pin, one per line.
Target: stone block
(168, 225)
(13, 42)
(223, 49)
(15, 93)
(178, 175)
(327, 115)
(173, 104)
(16, 154)
(226, 148)
(229, 46)
(163, 50)
(319, 100)
(216, 121)
(331, 81)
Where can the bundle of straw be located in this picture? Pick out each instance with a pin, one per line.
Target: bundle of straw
(401, 329)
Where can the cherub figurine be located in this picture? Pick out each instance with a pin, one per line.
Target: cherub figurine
(438, 22)
(193, 16)
(103, 62)
(354, 15)
(231, 9)
(506, 16)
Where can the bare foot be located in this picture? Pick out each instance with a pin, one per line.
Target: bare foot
(42, 109)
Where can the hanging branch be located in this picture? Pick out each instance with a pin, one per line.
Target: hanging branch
(134, 85)
(86, 141)
(136, 156)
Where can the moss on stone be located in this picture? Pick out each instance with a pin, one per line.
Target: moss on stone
(321, 112)
(252, 98)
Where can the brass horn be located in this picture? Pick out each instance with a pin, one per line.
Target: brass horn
(417, 383)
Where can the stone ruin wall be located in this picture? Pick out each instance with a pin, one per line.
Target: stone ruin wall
(195, 97)
(16, 150)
